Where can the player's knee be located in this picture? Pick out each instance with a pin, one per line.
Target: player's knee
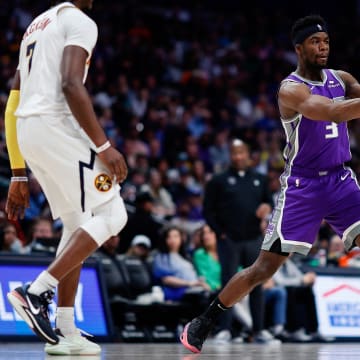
(108, 220)
(117, 221)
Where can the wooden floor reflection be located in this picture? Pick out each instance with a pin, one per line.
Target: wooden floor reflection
(335, 351)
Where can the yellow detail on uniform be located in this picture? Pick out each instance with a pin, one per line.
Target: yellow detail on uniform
(103, 182)
(16, 159)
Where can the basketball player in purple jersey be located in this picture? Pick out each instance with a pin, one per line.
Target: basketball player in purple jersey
(315, 103)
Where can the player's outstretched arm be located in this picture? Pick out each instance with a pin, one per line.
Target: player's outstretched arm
(296, 98)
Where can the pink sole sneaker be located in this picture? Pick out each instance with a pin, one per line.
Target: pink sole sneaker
(184, 341)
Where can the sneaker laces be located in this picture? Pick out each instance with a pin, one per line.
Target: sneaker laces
(47, 297)
(45, 300)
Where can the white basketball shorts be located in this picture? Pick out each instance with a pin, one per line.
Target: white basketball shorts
(61, 157)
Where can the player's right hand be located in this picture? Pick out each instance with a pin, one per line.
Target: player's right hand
(17, 200)
(115, 163)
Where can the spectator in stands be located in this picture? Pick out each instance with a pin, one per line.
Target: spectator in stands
(163, 205)
(129, 274)
(42, 236)
(9, 242)
(131, 188)
(195, 200)
(114, 280)
(336, 250)
(206, 258)
(140, 247)
(220, 151)
(42, 228)
(142, 219)
(182, 219)
(302, 320)
(276, 304)
(171, 268)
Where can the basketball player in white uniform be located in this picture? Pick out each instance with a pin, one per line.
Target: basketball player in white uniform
(55, 130)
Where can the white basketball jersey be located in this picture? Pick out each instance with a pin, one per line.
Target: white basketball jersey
(40, 58)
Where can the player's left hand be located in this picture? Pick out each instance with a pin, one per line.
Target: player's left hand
(17, 200)
(115, 163)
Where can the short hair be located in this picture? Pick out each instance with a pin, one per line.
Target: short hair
(305, 22)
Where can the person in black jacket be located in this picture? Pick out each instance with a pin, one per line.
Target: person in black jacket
(235, 203)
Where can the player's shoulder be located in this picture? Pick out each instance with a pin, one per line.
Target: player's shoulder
(74, 14)
(344, 76)
(290, 88)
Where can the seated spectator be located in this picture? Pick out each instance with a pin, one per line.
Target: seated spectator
(276, 302)
(9, 241)
(42, 237)
(42, 228)
(127, 274)
(195, 200)
(140, 247)
(143, 217)
(132, 185)
(302, 320)
(163, 202)
(351, 259)
(206, 259)
(176, 274)
(336, 250)
(182, 220)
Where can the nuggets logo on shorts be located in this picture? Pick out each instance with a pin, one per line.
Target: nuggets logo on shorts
(103, 182)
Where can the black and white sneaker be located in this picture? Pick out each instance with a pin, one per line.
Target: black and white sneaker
(34, 310)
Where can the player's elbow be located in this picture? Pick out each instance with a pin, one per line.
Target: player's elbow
(69, 86)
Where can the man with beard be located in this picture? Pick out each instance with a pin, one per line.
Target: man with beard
(315, 184)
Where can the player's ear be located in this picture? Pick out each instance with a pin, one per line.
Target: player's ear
(298, 48)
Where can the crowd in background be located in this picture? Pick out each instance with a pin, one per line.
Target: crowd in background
(172, 83)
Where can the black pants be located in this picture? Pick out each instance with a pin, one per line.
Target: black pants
(233, 254)
(301, 309)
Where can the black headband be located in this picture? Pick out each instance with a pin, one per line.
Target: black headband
(304, 33)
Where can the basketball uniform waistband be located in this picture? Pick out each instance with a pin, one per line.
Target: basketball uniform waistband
(305, 172)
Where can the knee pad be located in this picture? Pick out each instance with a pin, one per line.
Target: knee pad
(71, 222)
(108, 220)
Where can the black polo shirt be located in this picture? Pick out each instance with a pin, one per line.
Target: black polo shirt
(230, 202)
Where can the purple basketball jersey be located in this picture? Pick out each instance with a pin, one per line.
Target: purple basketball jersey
(317, 145)
(315, 185)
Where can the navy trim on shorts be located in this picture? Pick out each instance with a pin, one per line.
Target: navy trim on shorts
(90, 166)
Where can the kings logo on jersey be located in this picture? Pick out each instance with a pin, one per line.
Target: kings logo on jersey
(103, 182)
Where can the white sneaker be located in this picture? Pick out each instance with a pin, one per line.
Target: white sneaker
(265, 337)
(74, 344)
(300, 336)
(222, 337)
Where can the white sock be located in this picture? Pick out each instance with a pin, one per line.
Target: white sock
(65, 320)
(44, 282)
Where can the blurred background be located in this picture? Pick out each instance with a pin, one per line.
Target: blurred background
(172, 82)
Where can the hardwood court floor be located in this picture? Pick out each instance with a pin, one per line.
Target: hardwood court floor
(337, 351)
